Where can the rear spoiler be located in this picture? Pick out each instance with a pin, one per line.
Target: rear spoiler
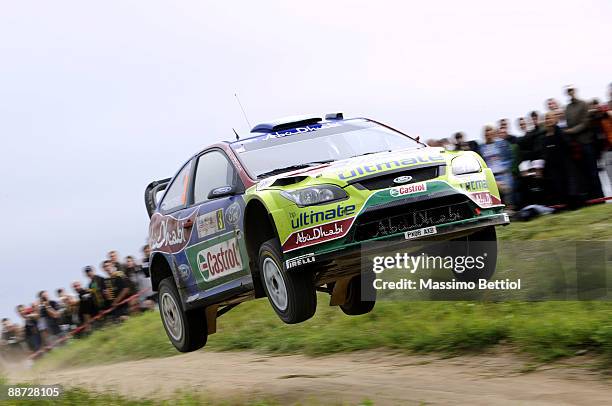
(151, 191)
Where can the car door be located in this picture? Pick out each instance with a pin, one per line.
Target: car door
(217, 258)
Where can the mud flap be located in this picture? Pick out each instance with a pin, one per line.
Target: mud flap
(338, 296)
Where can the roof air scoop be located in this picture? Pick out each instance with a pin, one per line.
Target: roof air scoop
(286, 123)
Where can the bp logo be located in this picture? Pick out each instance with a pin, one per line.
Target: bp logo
(219, 260)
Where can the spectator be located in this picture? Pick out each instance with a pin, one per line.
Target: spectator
(497, 153)
(554, 106)
(68, 310)
(530, 146)
(116, 290)
(606, 124)
(114, 257)
(446, 144)
(49, 316)
(597, 114)
(146, 254)
(96, 287)
(503, 130)
(30, 328)
(87, 304)
(582, 140)
(141, 282)
(502, 133)
(10, 333)
(460, 144)
(522, 124)
(555, 152)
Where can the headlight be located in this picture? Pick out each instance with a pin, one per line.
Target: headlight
(314, 195)
(465, 164)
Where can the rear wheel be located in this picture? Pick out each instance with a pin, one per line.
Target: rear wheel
(482, 246)
(187, 330)
(291, 294)
(354, 304)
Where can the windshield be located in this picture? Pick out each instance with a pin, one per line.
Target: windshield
(287, 150)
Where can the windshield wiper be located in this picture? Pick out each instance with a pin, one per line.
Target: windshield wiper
(293, 168)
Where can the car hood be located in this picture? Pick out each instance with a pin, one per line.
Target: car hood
(346, 171)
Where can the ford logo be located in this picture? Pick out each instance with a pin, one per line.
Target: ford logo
(402, 179)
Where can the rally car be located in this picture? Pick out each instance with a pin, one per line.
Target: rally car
(285, 211)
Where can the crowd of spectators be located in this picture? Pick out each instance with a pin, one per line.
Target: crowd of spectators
(123, 290)
(556, 160)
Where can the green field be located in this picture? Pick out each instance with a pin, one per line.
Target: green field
(545, 330)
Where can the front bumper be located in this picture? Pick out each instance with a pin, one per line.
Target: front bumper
(346, 258)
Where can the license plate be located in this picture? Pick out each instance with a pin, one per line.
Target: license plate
(421, 232)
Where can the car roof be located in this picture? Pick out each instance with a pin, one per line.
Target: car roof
(263, 130)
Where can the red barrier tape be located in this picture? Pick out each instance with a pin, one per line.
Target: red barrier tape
(83, 326)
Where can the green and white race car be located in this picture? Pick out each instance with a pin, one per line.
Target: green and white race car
(286, 212)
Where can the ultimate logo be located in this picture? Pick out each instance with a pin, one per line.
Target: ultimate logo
(314, 217)
(385, 166)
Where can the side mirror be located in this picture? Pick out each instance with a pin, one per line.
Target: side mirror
(222, 191)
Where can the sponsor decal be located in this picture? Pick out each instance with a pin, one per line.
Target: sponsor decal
(210, 223)
(184, 271)
(422, 232)
(219, 260)
(317, 234)
(475, 185)
(506, 217)
(484, 199)
(168, 234)
(313, 217)
(301, 260)
(220, 218)
(402, 179)
(389, 165)
(301, 130)
(233, 213)
(408, 189)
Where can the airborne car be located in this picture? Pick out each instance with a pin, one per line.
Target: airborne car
(284, 212)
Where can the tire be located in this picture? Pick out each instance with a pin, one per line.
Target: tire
(291, 294)
(483, 244)
(354, 306)
(187, 330)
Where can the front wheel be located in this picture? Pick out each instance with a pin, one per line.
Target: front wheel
(187, 330)
(291, 294)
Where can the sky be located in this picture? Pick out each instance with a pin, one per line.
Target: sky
(99, 98)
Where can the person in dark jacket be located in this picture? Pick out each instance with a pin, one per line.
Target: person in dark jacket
(87, 304)
(96, 287)
(555, 152)
(582, 143)
(30, 328)
(531, 144)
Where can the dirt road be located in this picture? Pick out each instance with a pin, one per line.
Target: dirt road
(382, 377)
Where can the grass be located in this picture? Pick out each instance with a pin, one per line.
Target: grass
(546, 330)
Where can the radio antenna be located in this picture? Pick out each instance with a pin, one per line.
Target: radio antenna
(242, 108)
(237, 136)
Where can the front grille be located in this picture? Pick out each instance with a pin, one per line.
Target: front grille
(386, 181)
(412, 216)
